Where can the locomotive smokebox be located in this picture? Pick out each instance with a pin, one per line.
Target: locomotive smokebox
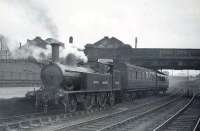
(55, 51)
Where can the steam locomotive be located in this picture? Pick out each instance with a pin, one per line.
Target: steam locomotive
(95, 84)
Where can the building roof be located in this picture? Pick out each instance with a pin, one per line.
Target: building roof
(39, 42)
(107, 42)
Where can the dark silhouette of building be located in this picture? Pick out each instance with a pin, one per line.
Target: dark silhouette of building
(155, 58)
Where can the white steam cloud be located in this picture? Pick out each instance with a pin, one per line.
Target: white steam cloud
(31, 51)
(32, 18)
(69, 55)
(37, 14)
(22, 19)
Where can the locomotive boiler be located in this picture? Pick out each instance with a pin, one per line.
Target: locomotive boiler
(87, 86)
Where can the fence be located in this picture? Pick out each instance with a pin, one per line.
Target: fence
(19, 79)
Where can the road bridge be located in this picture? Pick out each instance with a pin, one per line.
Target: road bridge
(155, 58)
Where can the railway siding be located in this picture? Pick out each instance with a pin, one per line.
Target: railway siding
(107, 122)
(35, 120)
(184, 120)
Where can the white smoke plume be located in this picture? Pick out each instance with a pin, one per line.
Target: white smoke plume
(69, 54)
(32, 18)
(31, 52)
(38, 14)
(22, 19)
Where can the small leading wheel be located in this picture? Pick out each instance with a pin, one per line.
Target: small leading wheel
(89, 102)
(112, 99)
(101, 100)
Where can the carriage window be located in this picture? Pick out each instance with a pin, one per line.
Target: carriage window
(129, 76)
(133, 75)
(163, 78)
(136, 75)
(141, 78)
(152, 76)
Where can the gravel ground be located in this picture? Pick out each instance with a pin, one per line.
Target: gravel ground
(116, 108)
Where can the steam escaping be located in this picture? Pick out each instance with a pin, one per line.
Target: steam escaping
(21, 19)
(31, 52)
(72, 56)
(36, 14)
(69, 54)
(41, 50)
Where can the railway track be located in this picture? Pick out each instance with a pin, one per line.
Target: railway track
(36, 120)
(186, 119)
(110, 121)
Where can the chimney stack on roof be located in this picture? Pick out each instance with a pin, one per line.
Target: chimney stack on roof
(20, 45)
(136, 41)
(71, 40)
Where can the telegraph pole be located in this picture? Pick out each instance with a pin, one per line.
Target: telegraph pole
(136, 41)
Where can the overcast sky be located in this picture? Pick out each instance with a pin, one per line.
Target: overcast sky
(157, 23)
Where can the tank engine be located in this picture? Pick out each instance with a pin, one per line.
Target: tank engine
(71, 86)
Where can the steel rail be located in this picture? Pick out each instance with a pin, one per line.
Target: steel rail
(18, 119)
(197, 124)
(137, 116)
(163, 125)
(109, 115)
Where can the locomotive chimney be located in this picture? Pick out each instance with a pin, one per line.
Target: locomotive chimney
(55, 51)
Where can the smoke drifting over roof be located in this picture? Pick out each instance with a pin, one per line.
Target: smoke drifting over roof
(22, 19)
(36, 12)
(41, 50)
